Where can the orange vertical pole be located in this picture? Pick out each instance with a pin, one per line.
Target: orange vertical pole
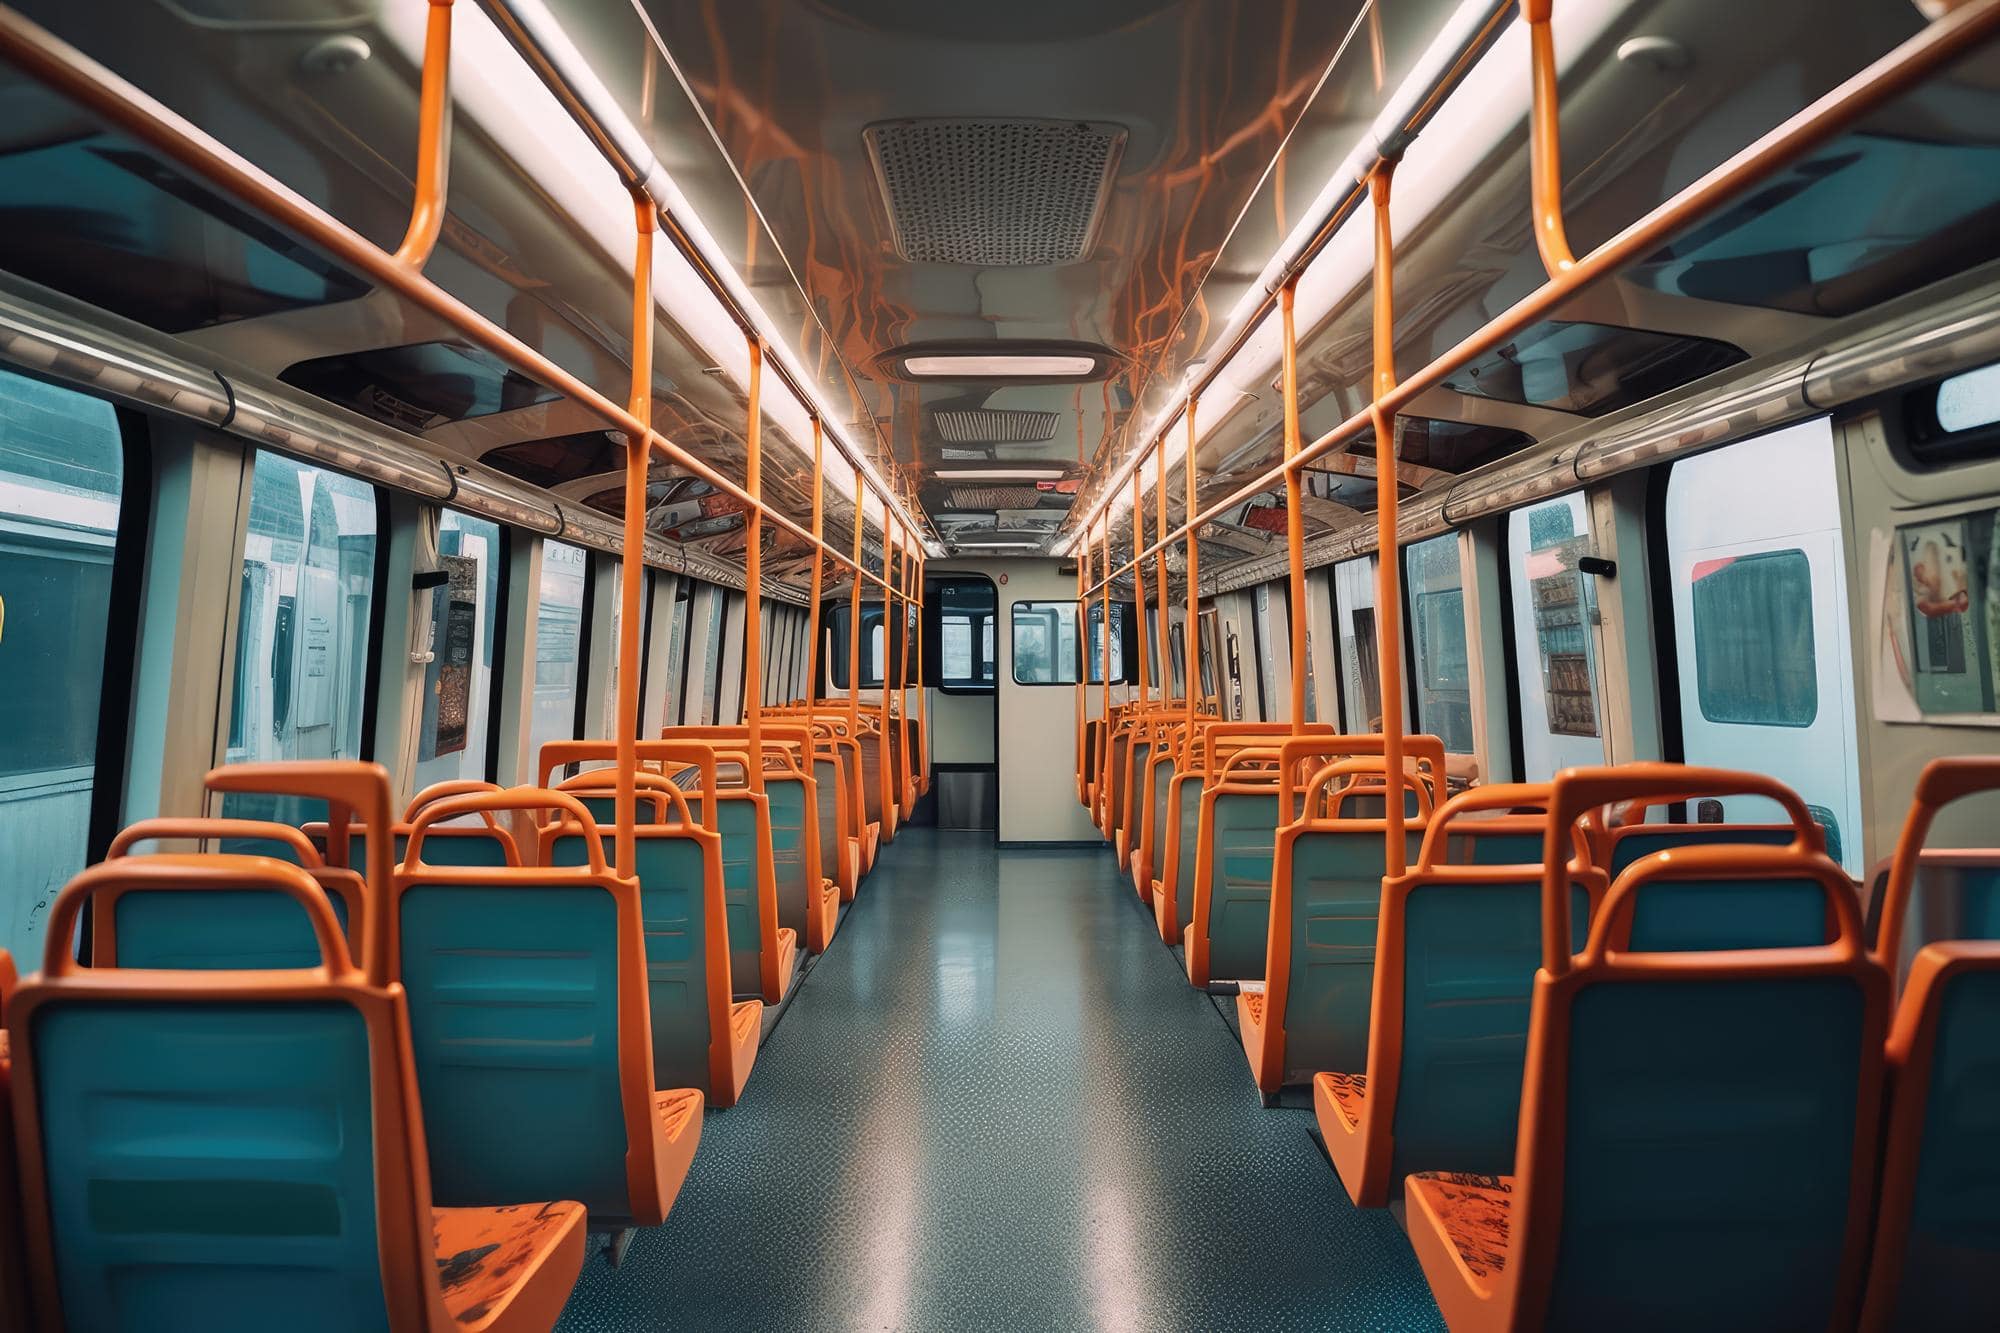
(1545, 142)
(1104, 751)
(1082, 709)
(632, 564)
(1295, 515)
(885, 769)
(923, 690)
(1388, 587)
(854, 615)
(753, 572)
(1139, 577)
(433, 140)
(1164, 624)
(819, 563)
(1192, 631)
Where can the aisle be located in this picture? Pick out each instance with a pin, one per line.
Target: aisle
(997, 1105)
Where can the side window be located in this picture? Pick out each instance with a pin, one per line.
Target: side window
(302, 625)
(458, 681)
(1761, 646)
(965, 608)
(1044, 639)
(677, 633)
(62, 476)
(558, 646)
(1123, 670)
(1360, 647)
(1437, 620)
(711, 676)
(872, 652)
(1555, 637)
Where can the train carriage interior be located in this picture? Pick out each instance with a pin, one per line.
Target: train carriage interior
(911, 665)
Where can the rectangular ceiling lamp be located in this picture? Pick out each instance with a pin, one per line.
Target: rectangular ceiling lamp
(994, 545)
(971, 366)
(998, 473)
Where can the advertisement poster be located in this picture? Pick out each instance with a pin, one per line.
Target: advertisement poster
(1562, 633)
(456, 629)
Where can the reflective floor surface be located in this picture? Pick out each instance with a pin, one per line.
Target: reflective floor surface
(996, 1104)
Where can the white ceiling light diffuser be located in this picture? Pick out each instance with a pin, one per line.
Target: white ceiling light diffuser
(968, 366)
(999, 473)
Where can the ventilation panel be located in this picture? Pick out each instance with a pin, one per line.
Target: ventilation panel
(994, 193)
(992, 425)
(994, 497)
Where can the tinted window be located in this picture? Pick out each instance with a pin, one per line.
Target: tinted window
(61, 474)
(302, 625)
(1590, 369)
(417, 387)
(1555, 642)
(554, 461)
(964, 615)
(109, 223)
(1122, 661)
(458, 680)
(1044, 638)
(1753, 639)
(558, 645)
(1360, 644)
(1443, 669)
(837, 619)
(1865, 218)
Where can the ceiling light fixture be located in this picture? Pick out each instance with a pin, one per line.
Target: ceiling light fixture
(998, 366)
(993, 545)
(999, 473)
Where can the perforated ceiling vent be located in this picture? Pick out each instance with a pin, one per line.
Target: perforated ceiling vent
(994, 192)
(994, 497)
(992, 425)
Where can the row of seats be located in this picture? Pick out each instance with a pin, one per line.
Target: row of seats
(392, 1081)
(1618, 1073)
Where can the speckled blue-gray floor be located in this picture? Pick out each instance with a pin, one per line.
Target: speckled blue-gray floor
(996, 1104)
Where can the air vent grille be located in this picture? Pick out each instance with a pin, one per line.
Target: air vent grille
(994, 192)
(992, 425)
(994, 497)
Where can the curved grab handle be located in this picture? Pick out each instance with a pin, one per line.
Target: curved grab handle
(1504, 796)
(1576, 790)
(263, 830)
(1730, 861)
(439, 791)
(1943, 781)
(179, 872)
(512, 798)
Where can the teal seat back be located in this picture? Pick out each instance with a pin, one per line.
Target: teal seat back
(1336, 893)
(1140, 793)
(228, 929)
(791, 867)
(1241, 847)
(826, 785)
(1184, 803)
(210, 1166)
(442, 847)
(1710, 1133)
(513, 993)
(604, 810)
(1163, 781)
(1121, 751)
(1952, 1245)
(1470, 952)
(737, 823)
(1683, 917)
(676, 927)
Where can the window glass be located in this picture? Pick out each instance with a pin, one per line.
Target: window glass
(458, 680)
(1360, 645)
(1761, 645)
(871, 645)
(677, 630)
(1555, 637)
(419, 386)
(1590, 369)
(964, 612)
(62, 470)
(1122, 668)
(558, 645)
(1753, 639)
(1044, 638)
(712, 654)
(1971, 400)
(1864, 218)
(1437, 614)
(302, 620)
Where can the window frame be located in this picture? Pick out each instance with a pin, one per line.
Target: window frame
(933, 635)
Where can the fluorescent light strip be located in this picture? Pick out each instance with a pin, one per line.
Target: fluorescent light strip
(994, 545)
(997, 366)
(998, 474)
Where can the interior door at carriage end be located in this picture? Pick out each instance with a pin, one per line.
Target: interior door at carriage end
(1761, 624)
